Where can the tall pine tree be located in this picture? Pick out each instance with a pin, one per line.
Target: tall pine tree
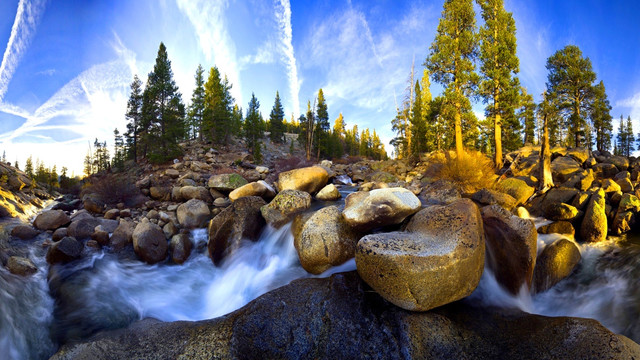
(276, 125)
(218, 114)
(601, 118)
(321, 133)
(527, 115)
(630, 138)
(196, 108)
(499, 67)
(451, 61)
(134, 117)
(253, 128)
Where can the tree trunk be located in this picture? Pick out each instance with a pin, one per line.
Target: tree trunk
(498, 139)
(545, 180)
(458, 132)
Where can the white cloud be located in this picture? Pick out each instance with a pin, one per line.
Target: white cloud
(47, 72)
(264, 55)
(24, 26)
(208, 19)
(283, 16)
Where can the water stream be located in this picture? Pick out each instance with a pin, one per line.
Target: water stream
(107, 291)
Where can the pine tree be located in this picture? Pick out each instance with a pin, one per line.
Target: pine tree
(569, 83)
(499, 67)
(338, 137)
(321, 133)
(276, 121)
(621, 143)
(307, 130)
(164, 109)
(196, 108)
(134, 117)
(630, 138)
(28, 167)
(527, 116)
(451, 61)
(425, 93)
(601, 118)
(15, 165)
(118, 151)
(253, 128)
(218, 113)
(418, 124)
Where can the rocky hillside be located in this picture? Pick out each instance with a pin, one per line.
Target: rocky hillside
(18, 195)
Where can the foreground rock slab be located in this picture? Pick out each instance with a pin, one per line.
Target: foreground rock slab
(309, 179)
(340, 318)
(438, 260)
(380, 207)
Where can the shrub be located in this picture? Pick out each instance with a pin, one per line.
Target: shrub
(469, 173)
(113, 189)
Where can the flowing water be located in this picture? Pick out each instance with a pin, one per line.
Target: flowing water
(106, 291)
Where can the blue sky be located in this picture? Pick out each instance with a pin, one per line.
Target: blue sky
(67, 66)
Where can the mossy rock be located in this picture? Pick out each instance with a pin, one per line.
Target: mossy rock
(226, 182)
(517, 188)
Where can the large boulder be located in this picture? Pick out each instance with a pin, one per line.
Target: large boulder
(511, 247)
(559, 195)
(340, 318)
(309, 179)
(193, 214)
(623, 221)
(241, 220)
(493, 197)
(258, 188)
(325, 240)
(195, 192)
(594, 223)
(380, 207)
(51, 220)
(21, 266)
(93, 204)
(123, 235)
(149, 242)
(161, 193)
(440, 192)
(581, 180)
(180, 248)
(64, 251)
(555, 263)
(558, 227)
(226, 182)
(560, 211)
(629, 202)
(437, 260)
(24, 232)
(83, 228)
(517, 188)
(563, 168)
(621, 162)
(285, 206)
(604, 171)
(579, 154)
(328, 193)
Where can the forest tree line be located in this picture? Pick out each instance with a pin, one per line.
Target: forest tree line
(481, 63)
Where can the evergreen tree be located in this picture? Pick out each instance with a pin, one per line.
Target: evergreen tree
(451, 61)
(134, 117)
(196, 109)
(276, 121)
(307, 130)
(425, 93)
(601, 117)
(338, 137)
(253, 128)
(630, 138)
(352, 141)
(28, 167)
(321, 133)
(527, 115)
(165, 110)
(88, 164)
(499, 67)
(621, 143)
(569, 83)
(15, 165)
(118, 151)
(418, 124)
(218, 114)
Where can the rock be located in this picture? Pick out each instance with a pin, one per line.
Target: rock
(522, 213)
(382, 177)
(125, 213)
(149, 242)
(581, 181)
(262, 169)
(80, 215)
(195, 192)
(112, 214)
(21, 266)
(59, 234)
(193, 214)
(622, 175)
(556, 262)
(64, 251)
(259, 188)
(621, 162)
(560, 211)
(563, 168)
(381, 207)
(101, 237)
(594, 223)
(368, 186)
(625, 185)
(285, 206)
(629, 202)
(309, 179)
(82, 229)
(512, 245)
(241, 220)
(51, 220)
(180, 248)
(559, 195)
(558, 227)
(609, 186)
(172, 173)
(328, 193)
(579, 154)
(441, 192)
(517, 188)
(438, 260)
(169, 230)
(221, 202)
(108, 225)
(123, 235)
(92, 204)
(492, 197)
(153, 214)
(580, 201)
(24, 232)
(143, 183)
(340, 318)
(226, 182)
(175, 194)
(325, 240)
(604, 171)
(622, 222)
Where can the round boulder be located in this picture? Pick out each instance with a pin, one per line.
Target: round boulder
(328, 193)
(21, 266)
(518, 189)
(380, 207)
(226, 182)
(594, 223)
(180, 248)
(123, 235)
(24, 232)
(149, 242)
(325, 240)
(64, 251)
(51, 220)
(258, 188)
(83, 229)
(284, 206)
(195, 192)
(309, 179)
(558, 227)
(193, 214)
(555, 263)
(438, 260)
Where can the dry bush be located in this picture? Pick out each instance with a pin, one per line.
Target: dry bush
(469, 173)
(113, 189)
